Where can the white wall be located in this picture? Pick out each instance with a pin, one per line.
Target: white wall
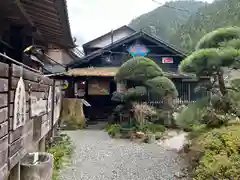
(60, 56)
(107, 40)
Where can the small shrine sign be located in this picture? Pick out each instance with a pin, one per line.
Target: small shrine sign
(19, 114)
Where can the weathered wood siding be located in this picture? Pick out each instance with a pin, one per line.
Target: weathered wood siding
(42, 113)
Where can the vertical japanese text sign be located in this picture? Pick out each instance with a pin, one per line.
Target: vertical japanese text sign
(19, 114)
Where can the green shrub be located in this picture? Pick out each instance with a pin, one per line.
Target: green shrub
(162, 86)
(192, 114)
(118, 96)
(114, 130)
(146, 74)
(61, 150)
(160, 117)
(154, 128)
(129, 125)
(217, 153)
(138, 69)
(215, 119)
(135, 94)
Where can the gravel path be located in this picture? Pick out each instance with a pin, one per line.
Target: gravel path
(98, 157)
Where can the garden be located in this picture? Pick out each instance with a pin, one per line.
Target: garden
(212, 122)
(133, 117)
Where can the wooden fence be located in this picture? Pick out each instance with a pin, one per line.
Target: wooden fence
(29, 109)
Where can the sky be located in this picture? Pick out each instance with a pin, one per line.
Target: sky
(90, 19)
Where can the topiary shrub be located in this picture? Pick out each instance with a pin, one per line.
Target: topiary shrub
(162, 86)
(218, 38)
(217, 154)
(147, 73)
(145, 76)
(138, 69)
(135, 94)
(214, 52)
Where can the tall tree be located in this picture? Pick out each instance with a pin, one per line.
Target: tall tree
(214, 52)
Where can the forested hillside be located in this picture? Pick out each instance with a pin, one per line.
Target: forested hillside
(185, 33)
(164, 21)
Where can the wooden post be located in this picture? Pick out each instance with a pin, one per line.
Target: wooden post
(15, 172)
(53, 106)
(189, 92)
(42, 144)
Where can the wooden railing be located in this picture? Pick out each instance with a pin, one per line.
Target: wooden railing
(26, 119)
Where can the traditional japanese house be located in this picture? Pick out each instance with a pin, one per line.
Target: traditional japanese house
(92, 78)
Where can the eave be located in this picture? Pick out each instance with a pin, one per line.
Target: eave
(50, 17)
(136, 35)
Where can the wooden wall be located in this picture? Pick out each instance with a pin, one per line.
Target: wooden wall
(42, 109)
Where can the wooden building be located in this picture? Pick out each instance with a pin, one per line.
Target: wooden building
(41, 23)
(93, 76)
(29, 101)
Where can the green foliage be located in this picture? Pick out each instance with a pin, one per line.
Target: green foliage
(61, 150)
(210, 62)
(146, 72)
(138, 69)
(118, 96)
(220, 13)
(134, 94)
(207, 61)
(114, 130)
(217, 37)
(154, 128)
(192, 114)
(234, 43)
(185, 28)
(160, 117)
(163, 86)
(219, 155)
(214, 119)
(129, 125)
(156, 23)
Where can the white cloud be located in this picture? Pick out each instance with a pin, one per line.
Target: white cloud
(92, 18)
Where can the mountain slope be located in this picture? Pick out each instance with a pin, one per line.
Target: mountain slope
(221, 13)
(164, 21)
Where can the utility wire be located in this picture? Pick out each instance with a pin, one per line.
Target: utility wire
(179, 9)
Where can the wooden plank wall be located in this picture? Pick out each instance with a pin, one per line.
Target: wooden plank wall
(40, 107)
(4, 135)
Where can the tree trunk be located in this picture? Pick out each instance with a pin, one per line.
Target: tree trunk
(221, 84)
(226, 105)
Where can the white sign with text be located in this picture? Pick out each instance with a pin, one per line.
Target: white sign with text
(19, 114)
